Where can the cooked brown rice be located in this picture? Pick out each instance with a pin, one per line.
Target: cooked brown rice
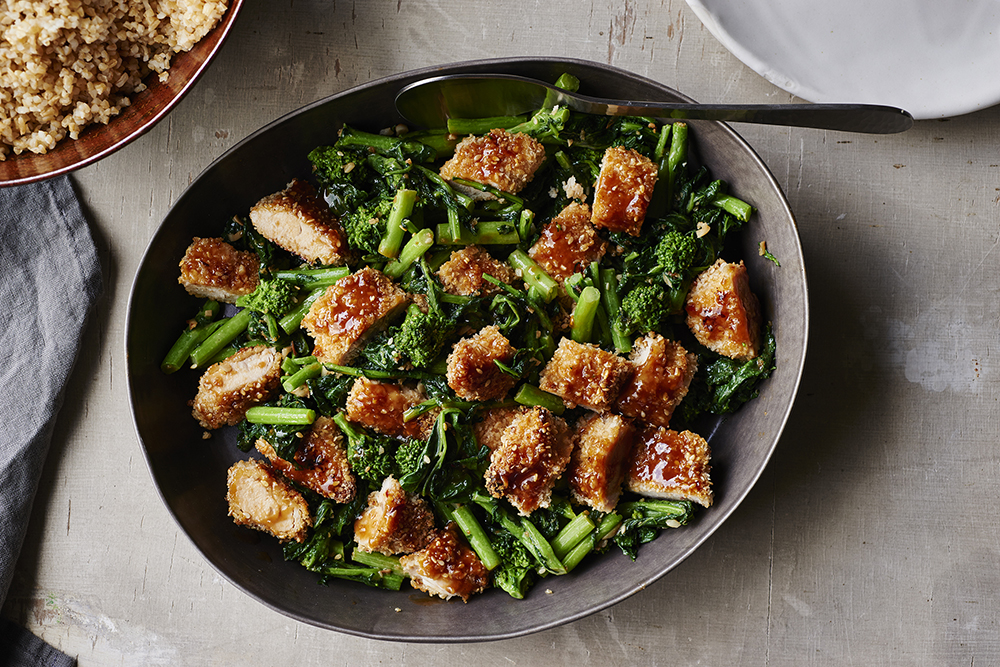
(65, 64)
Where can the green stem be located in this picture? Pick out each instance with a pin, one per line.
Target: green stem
(414, 249)
(612, 303)
(531, 396)
(676, 157)
(608, 524)
(313, 278)
(402, 206)
(572, 534)
(737, 207)
(378, 561)
(474, 533)
(199, 328)
(223, 336)
(483, 125)
(533, 275)
(490, 232)
(541, 547)
(299, 377)
(584, 313)
(265, 414)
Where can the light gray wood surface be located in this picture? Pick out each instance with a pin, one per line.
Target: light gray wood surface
(872, 537)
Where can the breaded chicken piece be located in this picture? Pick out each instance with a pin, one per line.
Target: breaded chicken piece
(227, 389)
(670, 465)
(298, 220)
(213, 269)
(722, 312)
(447, 567)
(533, 453)
(602, 445)
(490, 427)
(501, 159)
(568, 244)
(471, 371)
(464, 270)
(394, 522)
(624, 188)
(380, 406)
(584, 374)
(260, 499)
(320, 464)
(662, 371)
(350, 311)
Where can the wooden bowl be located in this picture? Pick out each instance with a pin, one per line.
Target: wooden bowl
(148, 108)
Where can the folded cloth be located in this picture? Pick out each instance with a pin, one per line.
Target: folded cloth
(49, 279)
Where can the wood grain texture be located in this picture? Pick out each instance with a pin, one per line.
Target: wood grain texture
(870, 539)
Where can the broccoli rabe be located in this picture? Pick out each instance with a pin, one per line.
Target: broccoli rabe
(516, 572)
(676, 252)
(422, 336)
(642, 310)
(365, 226)
(644, 519)
(372, 456)
(273, 297)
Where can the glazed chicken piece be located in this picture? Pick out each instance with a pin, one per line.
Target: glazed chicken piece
(213, 269)
(670, 465)
(471, 371)
(722, 312)
(501, 159)
(298, 220)
(568, 244)
(662, 373)
(602, 445)
(447, 567)
(380, 406)
(261, 500)
(230, 387)
(464, 270)
(490, 427)
(533, 453)
(624, 188)
(350, 311)
(394, 522)
(584, 374)
(320, 464)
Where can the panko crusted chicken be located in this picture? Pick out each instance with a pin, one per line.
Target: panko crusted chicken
(501, 159)
(471, 371)
(229, 388)
(662, 371)
(623, 191)
(320, 463)
(394, 522)
(262, 500)
(463, 272)
(213, 269)
(722, 312)
(568, 244)
(584, 374)
(670, 465)
(533, 453)
(381, 405)
(447, 567)
(601, 449)
(489, 428)
(350, 311)
(298, 220)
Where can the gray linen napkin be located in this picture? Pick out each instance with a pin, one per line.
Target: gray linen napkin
(49, 279)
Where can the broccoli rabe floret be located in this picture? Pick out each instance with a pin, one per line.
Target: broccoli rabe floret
(516, 572)
(273, 297)
(676, 252)
(642, 309)
(409, 457)
(334, 165)
(372, 457)
(365, 225)
(644, 519)
(545, 126)
(423, 335)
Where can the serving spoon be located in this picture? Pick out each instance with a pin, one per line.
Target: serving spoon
(431, 102)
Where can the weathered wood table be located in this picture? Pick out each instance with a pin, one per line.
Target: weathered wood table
(872, 537)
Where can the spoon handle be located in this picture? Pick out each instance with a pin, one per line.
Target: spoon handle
(870, 118)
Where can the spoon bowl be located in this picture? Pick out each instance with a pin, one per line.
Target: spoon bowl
(431, 102)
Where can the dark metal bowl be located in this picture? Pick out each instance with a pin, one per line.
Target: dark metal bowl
(150, 106)
(190, 473)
